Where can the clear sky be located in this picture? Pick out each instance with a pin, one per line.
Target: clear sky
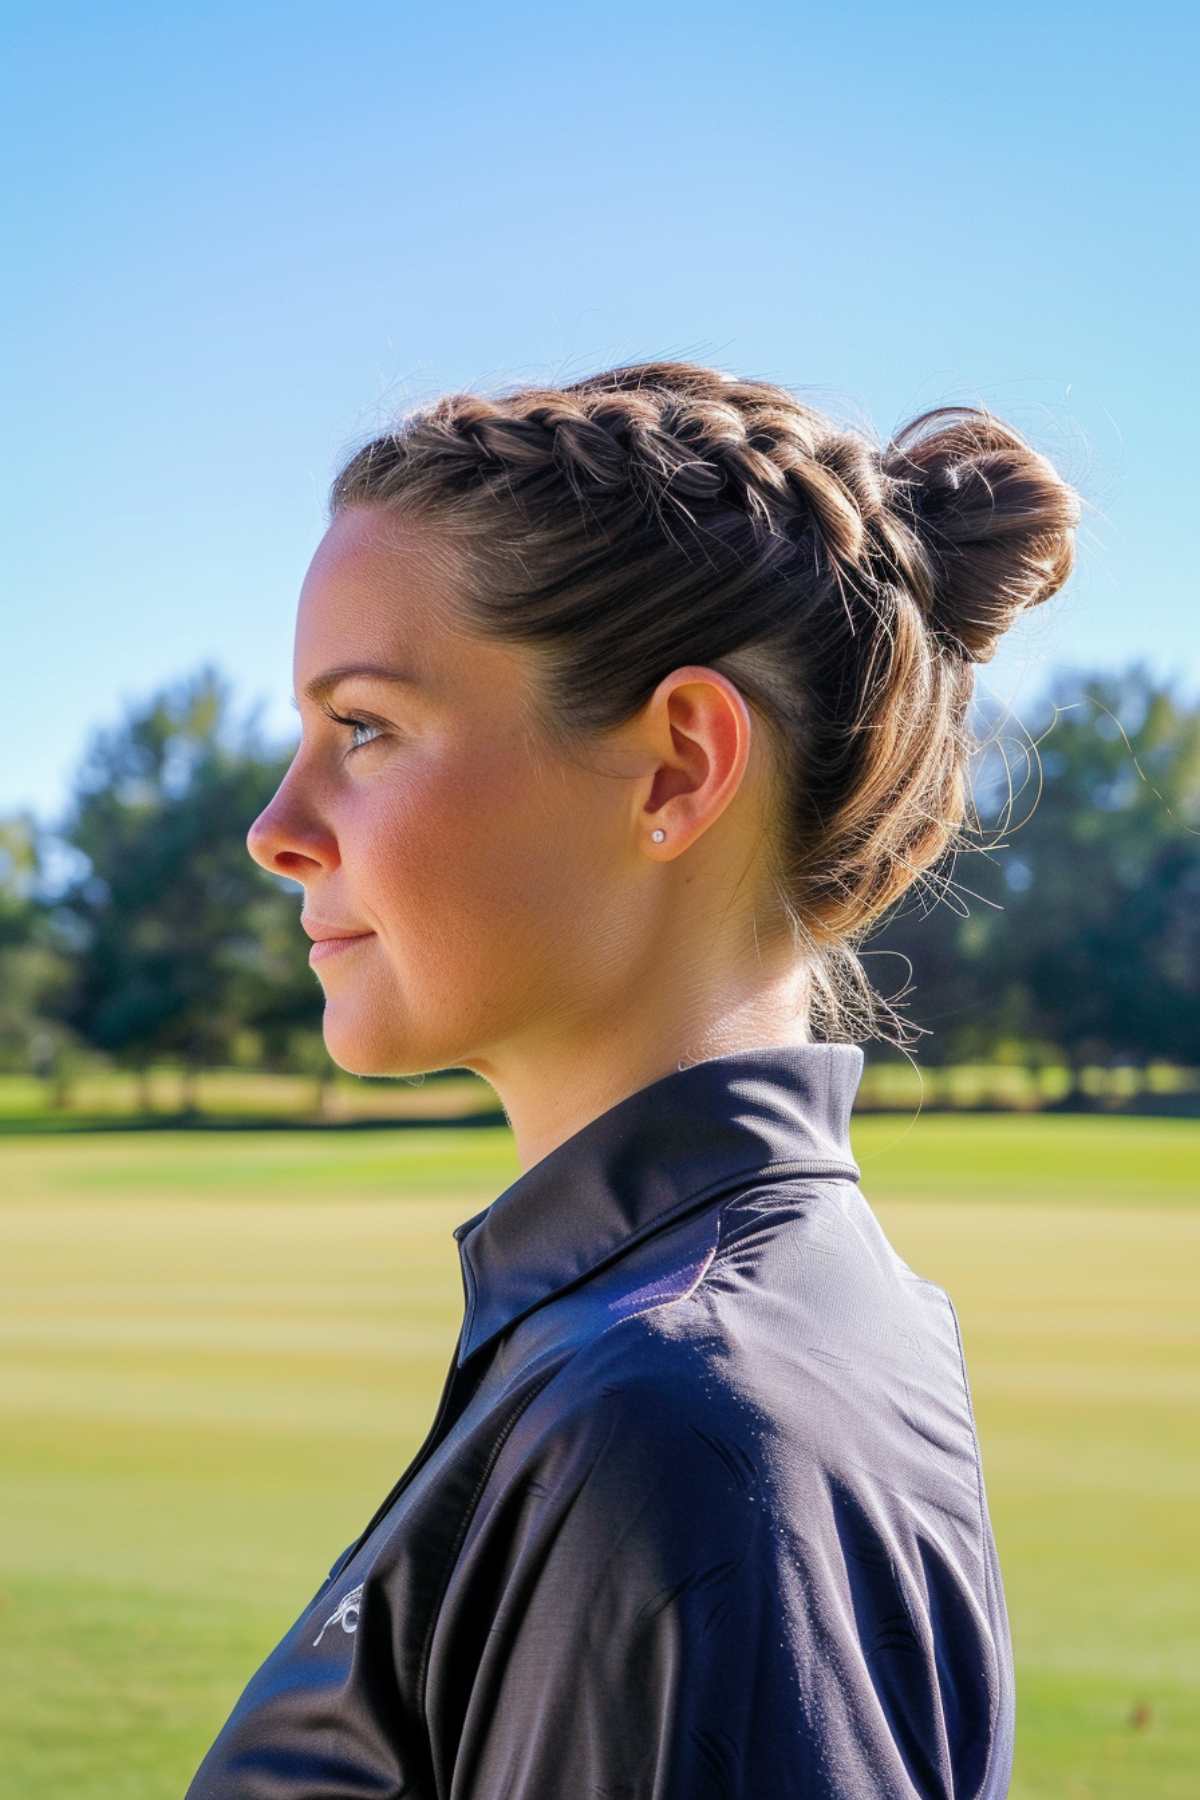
(242, 237)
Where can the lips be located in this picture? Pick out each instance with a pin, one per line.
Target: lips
(321, 932)
(331, 940)
(337, 946)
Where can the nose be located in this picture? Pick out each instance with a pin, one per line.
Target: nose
(260, 842)
(284, 840)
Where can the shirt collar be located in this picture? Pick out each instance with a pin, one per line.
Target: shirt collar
(655, 1154)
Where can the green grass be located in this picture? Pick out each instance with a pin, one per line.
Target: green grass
(219, 1350)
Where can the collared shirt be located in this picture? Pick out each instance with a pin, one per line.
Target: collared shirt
(701, 1513)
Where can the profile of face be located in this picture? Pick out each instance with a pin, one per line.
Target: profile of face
(502, 891)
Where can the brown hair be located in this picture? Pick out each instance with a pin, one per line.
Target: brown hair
(663, 513)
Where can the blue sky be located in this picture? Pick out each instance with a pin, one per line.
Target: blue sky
(243, 238)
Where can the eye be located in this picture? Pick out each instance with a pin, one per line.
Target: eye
(355, 725)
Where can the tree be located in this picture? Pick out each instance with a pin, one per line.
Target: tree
(170, 920)
(1080, 927)
(33, 971)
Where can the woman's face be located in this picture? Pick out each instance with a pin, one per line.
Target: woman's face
(490, 879)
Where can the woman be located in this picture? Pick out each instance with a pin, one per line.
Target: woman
(629, 707)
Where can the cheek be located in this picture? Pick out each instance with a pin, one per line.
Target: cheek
(476, 850)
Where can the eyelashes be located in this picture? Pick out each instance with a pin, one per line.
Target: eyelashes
(354, 725)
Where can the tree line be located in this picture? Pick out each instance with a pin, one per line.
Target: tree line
(136, 928)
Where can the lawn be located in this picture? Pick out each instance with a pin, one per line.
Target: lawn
(221, 1348)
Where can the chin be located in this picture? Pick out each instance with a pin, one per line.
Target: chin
(357, 1043)
(362, 1046)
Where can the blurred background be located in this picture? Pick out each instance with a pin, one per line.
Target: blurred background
(241, 240)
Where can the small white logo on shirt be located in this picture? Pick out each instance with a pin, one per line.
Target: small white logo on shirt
(345, 1613)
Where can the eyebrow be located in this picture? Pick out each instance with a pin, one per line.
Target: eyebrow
(321, 686)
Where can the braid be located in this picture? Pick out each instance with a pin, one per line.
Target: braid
(693, 446)
(721, 447)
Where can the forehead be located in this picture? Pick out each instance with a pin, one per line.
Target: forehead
(374, 586)
(386, 591)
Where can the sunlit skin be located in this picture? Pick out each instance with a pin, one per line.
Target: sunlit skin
(526, 925)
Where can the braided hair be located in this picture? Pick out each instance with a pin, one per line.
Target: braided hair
(663, 513)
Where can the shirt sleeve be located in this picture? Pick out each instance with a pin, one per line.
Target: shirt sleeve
(631, 1617)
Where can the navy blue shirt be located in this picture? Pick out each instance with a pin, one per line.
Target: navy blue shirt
(701, 1514)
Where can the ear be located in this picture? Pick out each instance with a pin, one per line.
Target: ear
(696, 729)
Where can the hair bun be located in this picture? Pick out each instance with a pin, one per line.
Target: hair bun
(993, 516)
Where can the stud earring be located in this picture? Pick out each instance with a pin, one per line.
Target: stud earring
(658, 835)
